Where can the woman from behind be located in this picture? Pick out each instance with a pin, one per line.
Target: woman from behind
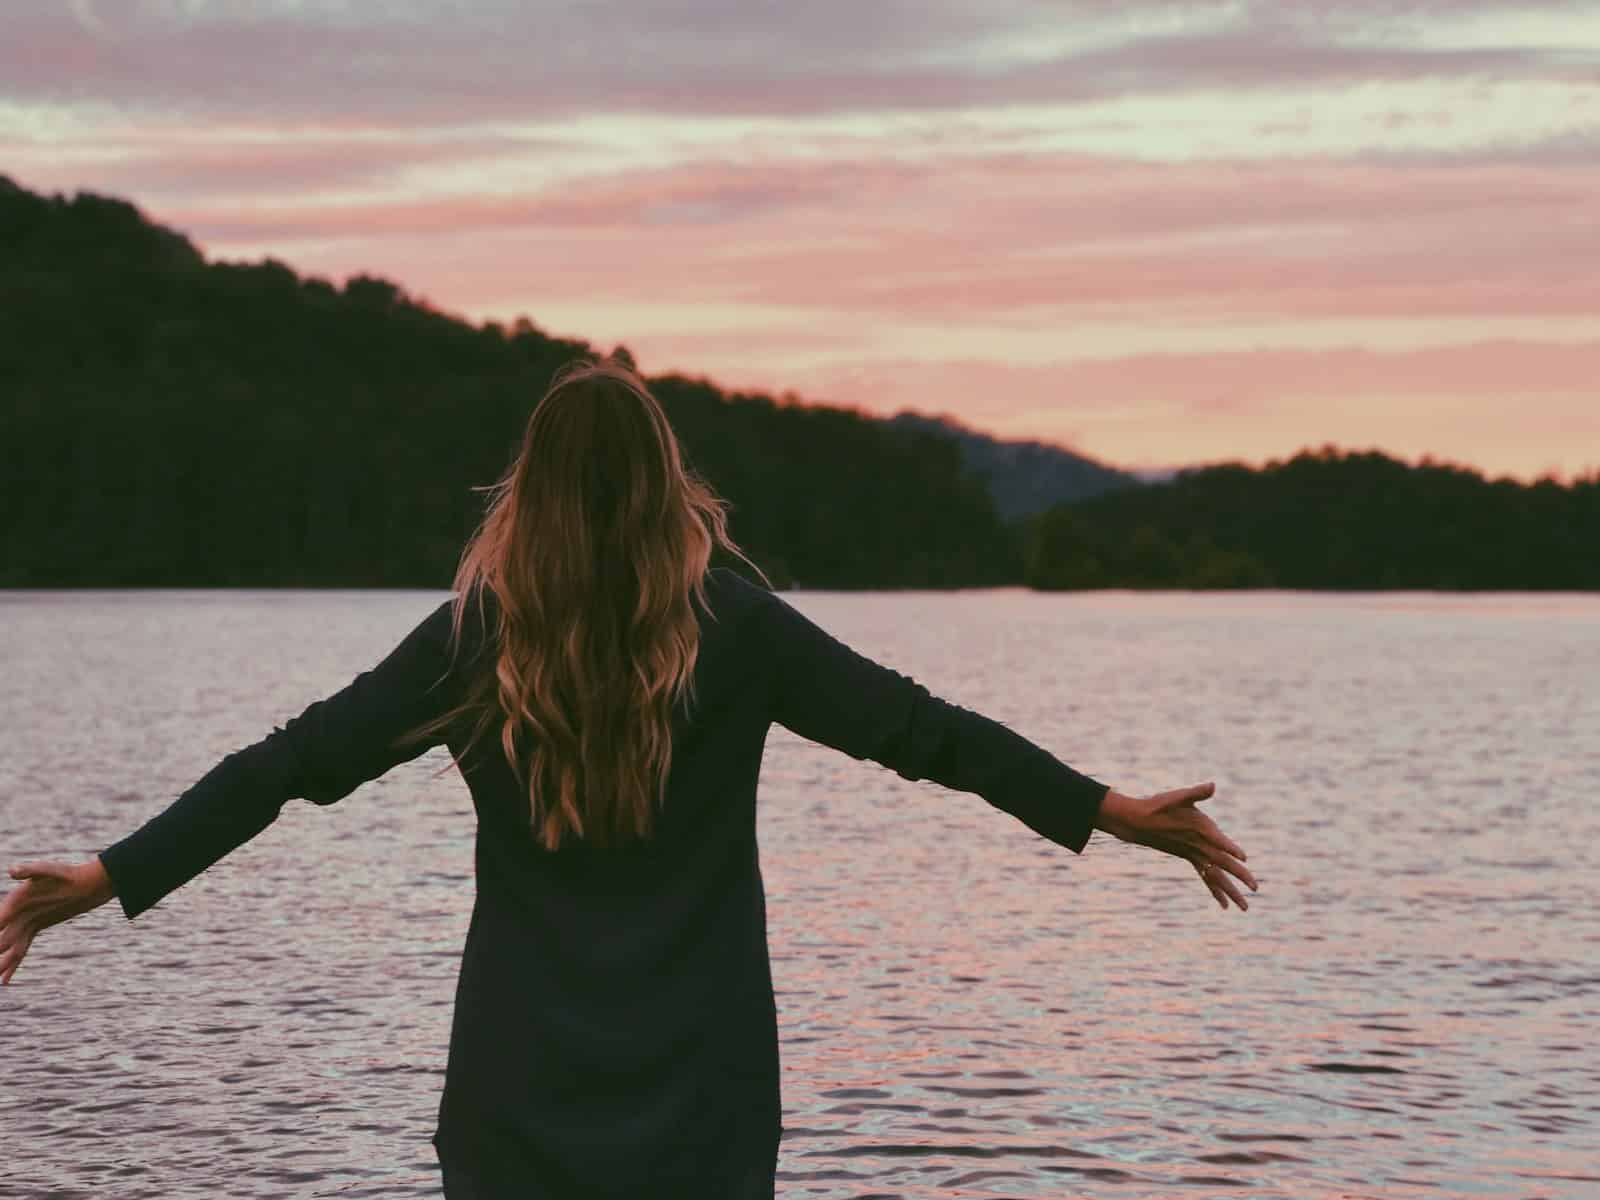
(606, 694)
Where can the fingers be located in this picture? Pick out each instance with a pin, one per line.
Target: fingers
(48, 895)
(11, 958)
(1226, 862)
(14, 930)
(42, 870)
(1180, 802)
(19, 900)
(1221, 886)
(36, 904)
(1211, 868)
(1213, 833)
(1218, 880)
(1189, 795)
(1217, 894)
(1207, 835)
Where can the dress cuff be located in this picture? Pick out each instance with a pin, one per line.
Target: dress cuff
(116, 859)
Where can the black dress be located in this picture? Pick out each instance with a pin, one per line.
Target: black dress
(615, 1033)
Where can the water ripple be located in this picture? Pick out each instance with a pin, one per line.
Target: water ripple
(966, 1011)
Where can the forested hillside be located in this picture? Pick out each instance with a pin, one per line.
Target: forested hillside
(169, 421)
(175, 422)
(1326, 519)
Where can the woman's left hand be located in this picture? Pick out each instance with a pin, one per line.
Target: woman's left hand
(51, 892)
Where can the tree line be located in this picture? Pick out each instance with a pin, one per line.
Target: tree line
(1326, 519)
(171, 421)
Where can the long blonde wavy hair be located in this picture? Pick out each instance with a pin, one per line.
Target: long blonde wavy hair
(595, 545)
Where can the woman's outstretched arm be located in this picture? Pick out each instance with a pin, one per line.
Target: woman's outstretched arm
(322, 755)
(829, 693)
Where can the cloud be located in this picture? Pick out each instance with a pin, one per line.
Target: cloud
(453, 62)
(1014, 240)
(254, 161)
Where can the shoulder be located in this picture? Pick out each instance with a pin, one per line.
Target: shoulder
(461, 637)
(730, 594)
(727, 577)
(745, 609)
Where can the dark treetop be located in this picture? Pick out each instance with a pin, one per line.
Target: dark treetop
(615, 1021)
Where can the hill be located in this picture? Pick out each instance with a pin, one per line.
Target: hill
(166, 420)
(1024, 477)
(1325, 519)
(170, 421)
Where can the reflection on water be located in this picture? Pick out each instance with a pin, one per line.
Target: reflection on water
(1407, 1009)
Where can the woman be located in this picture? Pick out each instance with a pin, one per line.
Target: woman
(606, 695)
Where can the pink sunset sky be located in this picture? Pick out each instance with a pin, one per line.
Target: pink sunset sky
(1156, 233)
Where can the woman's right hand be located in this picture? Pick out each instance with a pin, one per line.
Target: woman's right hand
(1170, 822)
(50, 892)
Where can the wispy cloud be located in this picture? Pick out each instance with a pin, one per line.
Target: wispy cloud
(1008, 239)
(456, 61)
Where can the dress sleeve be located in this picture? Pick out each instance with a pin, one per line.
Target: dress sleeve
(829, 693)
(322, 755)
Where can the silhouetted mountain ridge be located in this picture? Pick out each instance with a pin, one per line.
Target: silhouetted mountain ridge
(1024, 476)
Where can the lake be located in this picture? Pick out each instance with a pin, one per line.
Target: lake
(1409, 1008)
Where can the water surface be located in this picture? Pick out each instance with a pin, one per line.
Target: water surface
(1408, 1008)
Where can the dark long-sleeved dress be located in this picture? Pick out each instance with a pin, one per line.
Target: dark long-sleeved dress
(614, 1032)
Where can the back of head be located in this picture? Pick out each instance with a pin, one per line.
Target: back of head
(595, 546)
